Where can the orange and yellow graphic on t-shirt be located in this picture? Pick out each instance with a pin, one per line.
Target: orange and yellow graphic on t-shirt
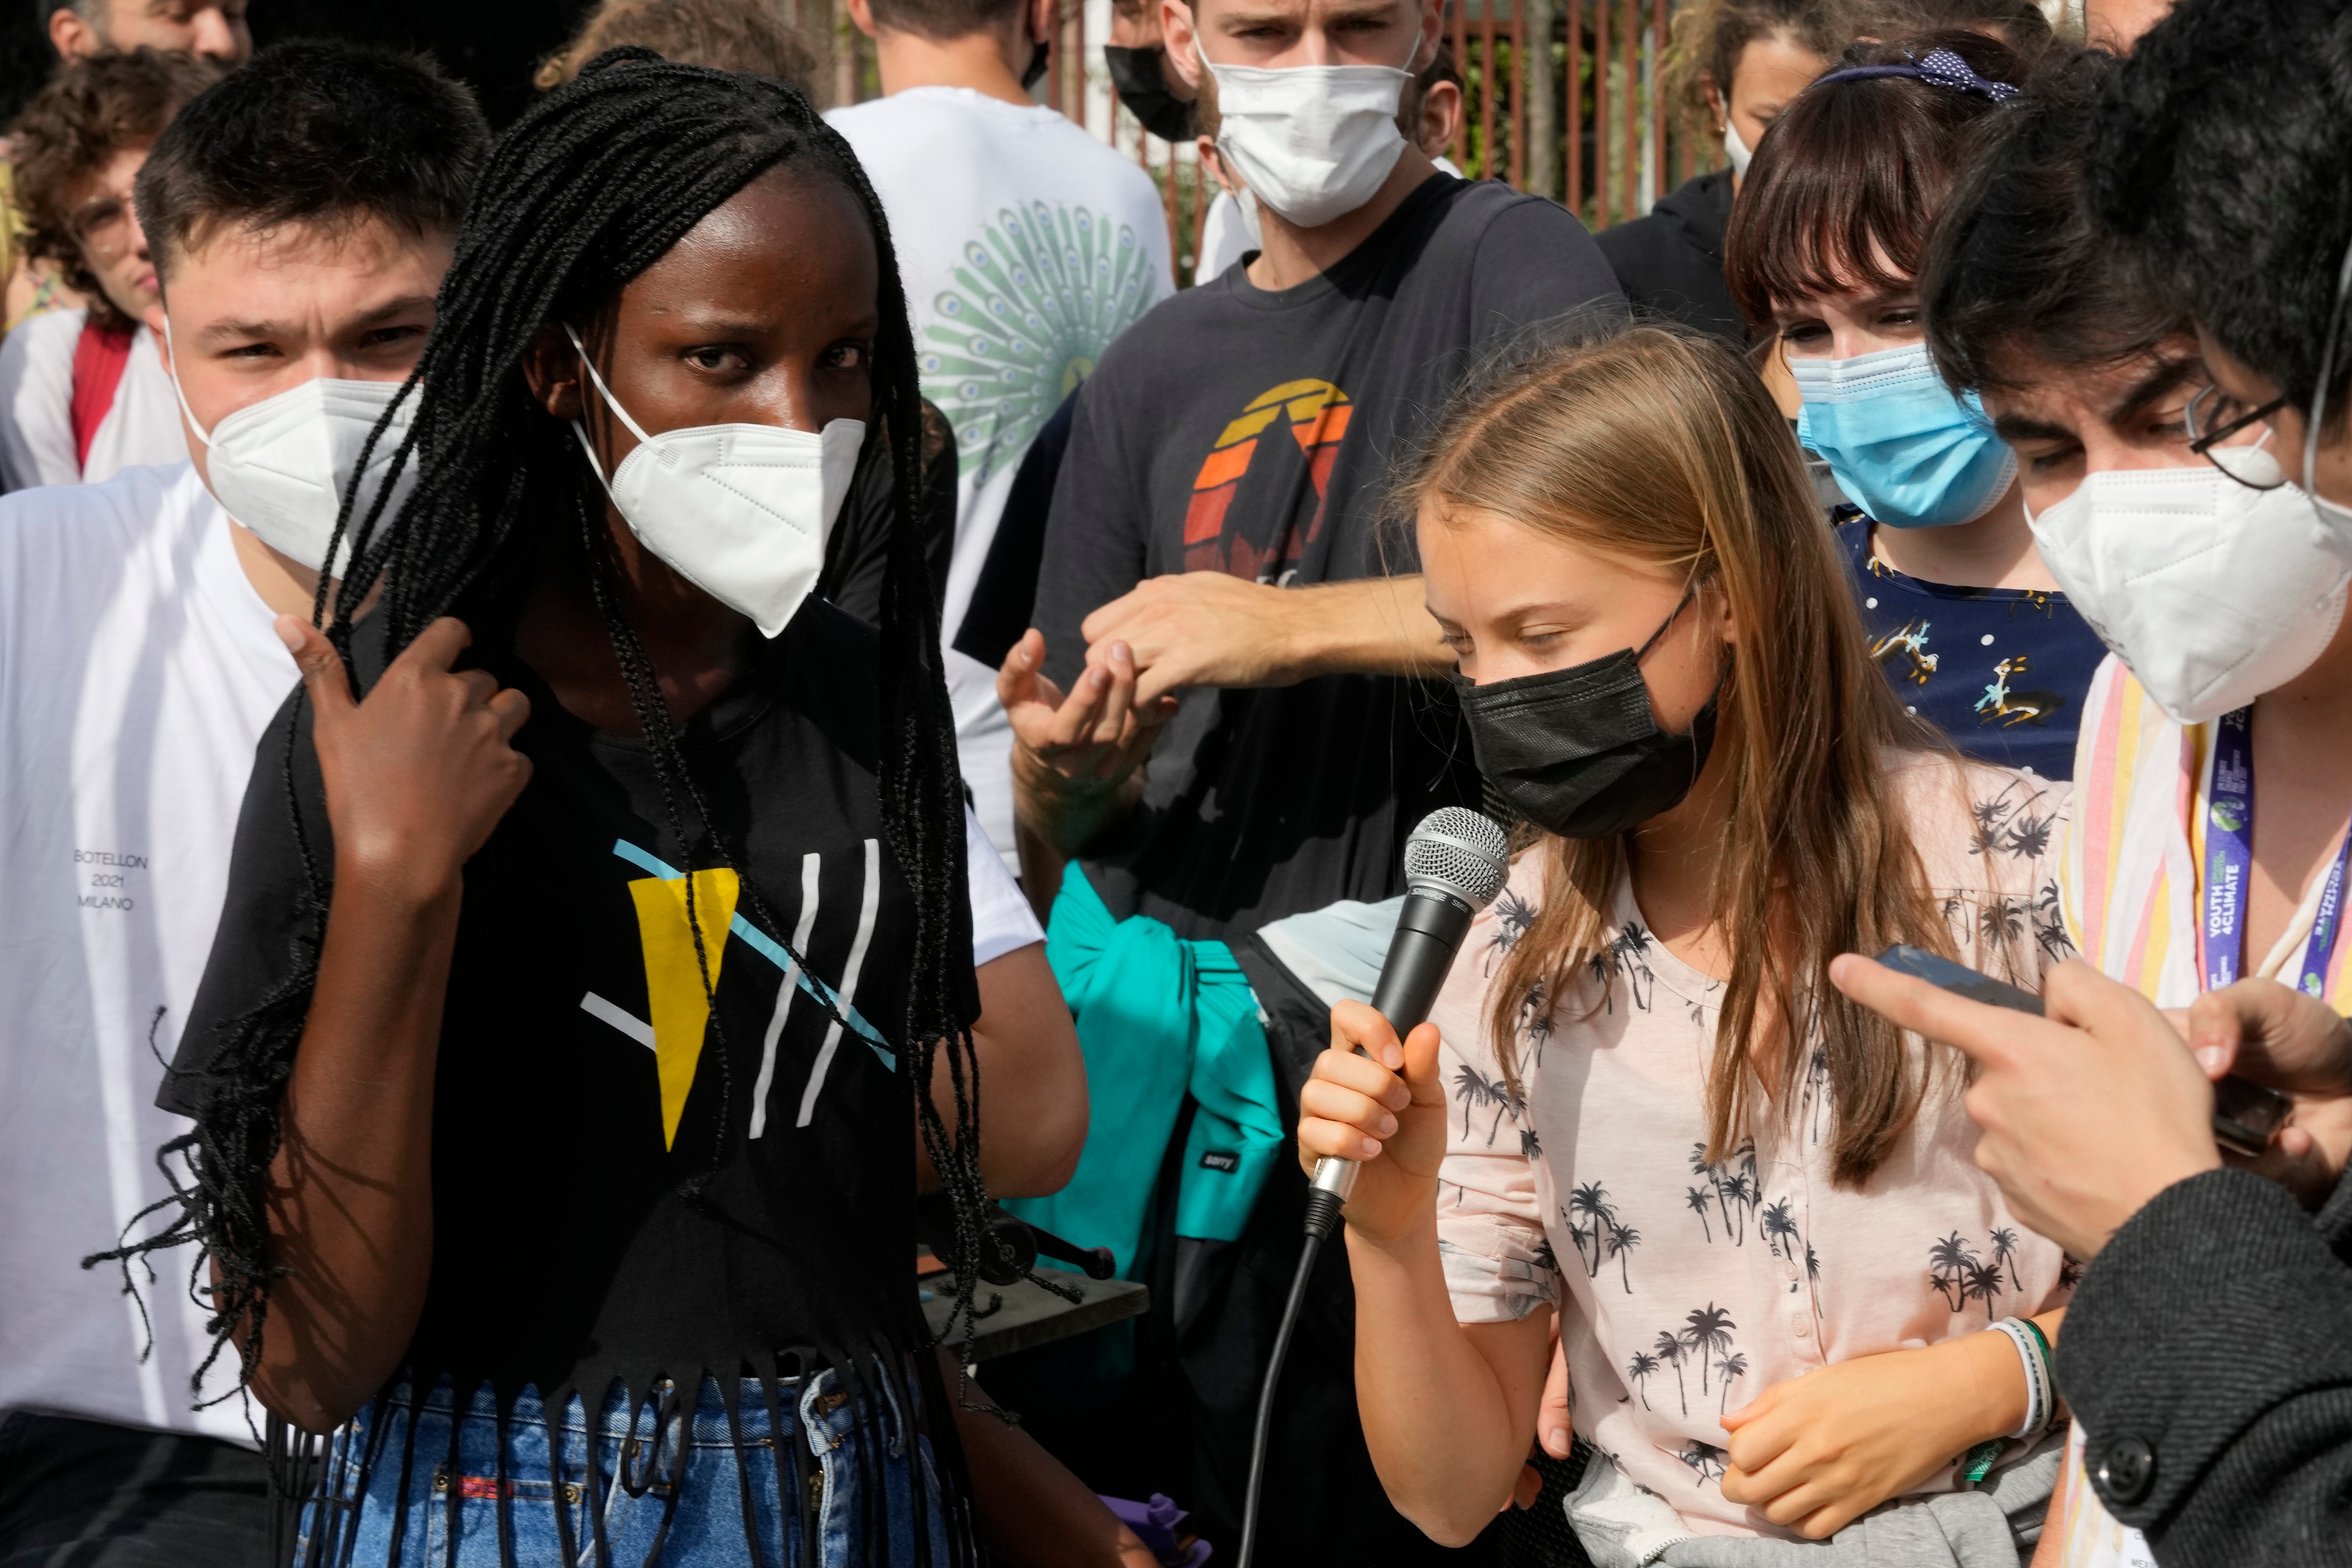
(1319, 414)
(674, 982)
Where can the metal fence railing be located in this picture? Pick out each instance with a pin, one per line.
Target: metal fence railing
(1561, 98)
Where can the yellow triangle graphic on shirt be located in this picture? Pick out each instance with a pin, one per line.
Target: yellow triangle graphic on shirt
(681, 1009)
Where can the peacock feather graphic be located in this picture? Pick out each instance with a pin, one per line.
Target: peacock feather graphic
(1037, 299)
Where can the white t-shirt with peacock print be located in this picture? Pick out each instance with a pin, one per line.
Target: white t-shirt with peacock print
(1026, 247)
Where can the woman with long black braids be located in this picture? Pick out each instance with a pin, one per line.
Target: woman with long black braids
(600, 904)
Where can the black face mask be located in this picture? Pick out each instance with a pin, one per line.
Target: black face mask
(1134, 76)
(1579, 752)
(1036, 71)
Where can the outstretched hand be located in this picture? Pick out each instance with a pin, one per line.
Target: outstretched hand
(2085, 1114)
(1074, 754)
(421, 771)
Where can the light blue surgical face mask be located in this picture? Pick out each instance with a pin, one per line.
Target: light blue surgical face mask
(1902, 447)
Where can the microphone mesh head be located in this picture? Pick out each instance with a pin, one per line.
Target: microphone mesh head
(1459, 851)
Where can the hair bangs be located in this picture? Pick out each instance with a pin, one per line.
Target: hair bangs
(1850, 224)
(1845, 187)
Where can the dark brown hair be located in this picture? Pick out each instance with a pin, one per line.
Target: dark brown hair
(1658, 445)
(942, 19)
(319, 133)
(1848, 182)
(90, 111)
(2017, 265)
(725, 35)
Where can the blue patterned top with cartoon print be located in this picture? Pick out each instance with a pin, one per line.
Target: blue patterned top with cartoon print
(2002, 671)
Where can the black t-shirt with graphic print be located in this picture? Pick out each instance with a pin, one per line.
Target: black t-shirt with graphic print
(580, 1084)
(1242, 430)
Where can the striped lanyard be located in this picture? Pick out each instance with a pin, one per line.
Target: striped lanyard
(2228, 864)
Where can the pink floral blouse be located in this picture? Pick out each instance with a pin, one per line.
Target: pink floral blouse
(1686, 1287)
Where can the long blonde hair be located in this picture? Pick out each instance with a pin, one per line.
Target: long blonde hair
(1655, 444)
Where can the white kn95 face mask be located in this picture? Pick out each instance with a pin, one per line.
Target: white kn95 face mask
(280, 466)
(1313, 143)
(742, 511)
(2213, 593)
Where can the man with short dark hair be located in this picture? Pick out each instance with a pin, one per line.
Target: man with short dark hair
(2223, 161)
(301, 213)
(2202, 569)
(2208, 1351)
(215, 29)
(1026, 247)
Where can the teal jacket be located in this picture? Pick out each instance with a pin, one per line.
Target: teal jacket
(1157, 1018)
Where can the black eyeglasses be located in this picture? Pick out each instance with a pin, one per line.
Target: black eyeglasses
(2204, 406)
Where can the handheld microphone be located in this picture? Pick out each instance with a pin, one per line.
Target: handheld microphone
(1454, 864)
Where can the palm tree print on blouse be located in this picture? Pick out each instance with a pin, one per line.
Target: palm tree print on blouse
(1599, 1236)
(1817, 1087)
(2015, 825)
(1705, 1459)
(1627, 957)
(1733, 1367)
(1476, 1091)
(1670, 1351)
(1536, 1020)
(1513, 916)
(1708, 1330)
(1961, 1274)
(1732, 1185)
(1640, 1370)
(2008, 824)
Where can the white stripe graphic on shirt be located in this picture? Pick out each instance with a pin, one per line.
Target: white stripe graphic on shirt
(869, 901)
(620, 1017)
(785, 992)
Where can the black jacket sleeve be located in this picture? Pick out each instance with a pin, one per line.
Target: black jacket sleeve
(2208, 1357)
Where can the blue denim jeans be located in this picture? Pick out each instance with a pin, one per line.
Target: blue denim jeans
(669, 1482)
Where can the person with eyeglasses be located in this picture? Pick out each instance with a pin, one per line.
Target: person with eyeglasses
(2207, 1356)
(2161, 508)
(83, 393)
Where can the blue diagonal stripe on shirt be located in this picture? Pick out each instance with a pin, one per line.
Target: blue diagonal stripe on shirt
(768, 947)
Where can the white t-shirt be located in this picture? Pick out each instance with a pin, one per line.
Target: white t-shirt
(1025, 246)
(137, 670)
(36, 440)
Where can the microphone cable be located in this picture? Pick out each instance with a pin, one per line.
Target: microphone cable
(1322, 1219)
(1455, 863)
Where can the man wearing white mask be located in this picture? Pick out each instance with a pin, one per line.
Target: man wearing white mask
(2208, 843)
(1214, 534)
(136, 670)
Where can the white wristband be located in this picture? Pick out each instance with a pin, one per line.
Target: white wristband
(2040, 1397)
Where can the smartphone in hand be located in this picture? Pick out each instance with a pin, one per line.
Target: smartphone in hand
(2245, 1114)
